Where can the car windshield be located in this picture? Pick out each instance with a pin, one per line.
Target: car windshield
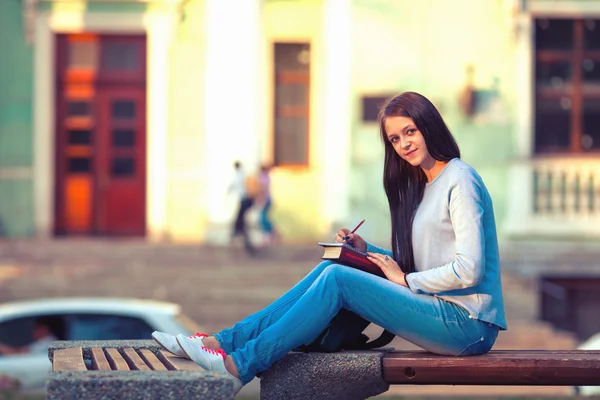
(188, 323)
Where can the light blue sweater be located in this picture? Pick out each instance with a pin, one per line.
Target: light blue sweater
(455, 244)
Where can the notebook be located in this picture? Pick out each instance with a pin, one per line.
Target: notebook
(347, 255)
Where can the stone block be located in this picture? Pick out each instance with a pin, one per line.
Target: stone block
(348, 375)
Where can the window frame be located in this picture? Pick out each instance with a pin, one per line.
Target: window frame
(576, 91)
(283, 76)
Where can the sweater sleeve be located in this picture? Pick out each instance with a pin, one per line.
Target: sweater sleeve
(466, 208)
(371, 248)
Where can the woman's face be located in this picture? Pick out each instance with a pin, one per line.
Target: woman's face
(408, 141)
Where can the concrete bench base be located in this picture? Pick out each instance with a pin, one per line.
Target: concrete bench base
(129, 370)
(303, 376)
(137, 385)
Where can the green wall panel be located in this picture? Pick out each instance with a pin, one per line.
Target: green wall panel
(16, 76)
(16, 83)
(16, 208)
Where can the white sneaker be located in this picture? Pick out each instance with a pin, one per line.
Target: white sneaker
(209, 359)
(169, 343)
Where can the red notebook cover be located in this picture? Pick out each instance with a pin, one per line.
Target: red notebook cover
(348, 255)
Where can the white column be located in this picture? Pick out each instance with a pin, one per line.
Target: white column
(337, 111)
(160, 30)
(520, 207)
(524, 98)
(43, 127)
(234, 93)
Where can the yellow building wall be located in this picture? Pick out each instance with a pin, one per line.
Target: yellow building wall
(395, 47)
(297, 192)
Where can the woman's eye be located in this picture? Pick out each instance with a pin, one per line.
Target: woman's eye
(411, 131)
(394, 139)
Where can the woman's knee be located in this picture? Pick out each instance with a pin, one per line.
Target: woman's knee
(336, 271)
(322, 266)
(330, 268)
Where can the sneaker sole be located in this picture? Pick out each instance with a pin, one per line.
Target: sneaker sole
(187, 354)
(164, 347)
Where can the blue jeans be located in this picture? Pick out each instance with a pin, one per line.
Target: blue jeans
(265, 223)
(301, 314)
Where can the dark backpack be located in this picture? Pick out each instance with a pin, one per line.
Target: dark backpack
(345, 332)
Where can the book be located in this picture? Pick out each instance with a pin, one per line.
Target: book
(348, 255)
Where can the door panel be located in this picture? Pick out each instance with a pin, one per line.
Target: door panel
(121, 161)
(78, 202)
(75, 161)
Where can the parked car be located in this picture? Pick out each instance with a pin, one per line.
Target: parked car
(592, 343)
(82, 319)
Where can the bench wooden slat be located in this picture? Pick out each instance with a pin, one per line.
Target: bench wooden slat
(175, 363)
(70, 359)
(115, 360)
(573, 368)
(526, 354)
(134, 361)
(99, 360)
(152, 360)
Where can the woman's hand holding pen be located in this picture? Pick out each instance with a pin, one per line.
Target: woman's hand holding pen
(348, 236)
(389, 267)
(353, 239)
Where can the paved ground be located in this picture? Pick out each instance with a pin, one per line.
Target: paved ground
(216, 286)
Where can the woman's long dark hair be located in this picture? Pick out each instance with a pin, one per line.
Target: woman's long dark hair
(405, 184)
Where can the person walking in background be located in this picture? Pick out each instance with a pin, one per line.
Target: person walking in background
(239, 187)
(264, 201)
(443, 287)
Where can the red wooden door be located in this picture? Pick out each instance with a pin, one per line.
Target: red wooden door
(121, 161)
(100, 135)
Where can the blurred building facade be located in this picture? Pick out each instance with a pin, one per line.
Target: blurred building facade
(124, 117)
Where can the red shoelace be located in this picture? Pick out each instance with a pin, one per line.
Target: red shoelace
(198, 335)
(219, 352)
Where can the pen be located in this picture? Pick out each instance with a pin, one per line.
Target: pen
(354, 230)
(358, 226)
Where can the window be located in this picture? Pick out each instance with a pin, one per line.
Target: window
(106, 327)
(291, 119)
(19, 332)
(371, 106)
(567, 85)
(118, 56)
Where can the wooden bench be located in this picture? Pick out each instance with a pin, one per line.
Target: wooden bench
(343, 375)
(129, 359)
(132, 370)
(141, 370)
(500, 367)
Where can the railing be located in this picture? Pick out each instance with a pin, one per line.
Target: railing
(554, 196)
(566, 188)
